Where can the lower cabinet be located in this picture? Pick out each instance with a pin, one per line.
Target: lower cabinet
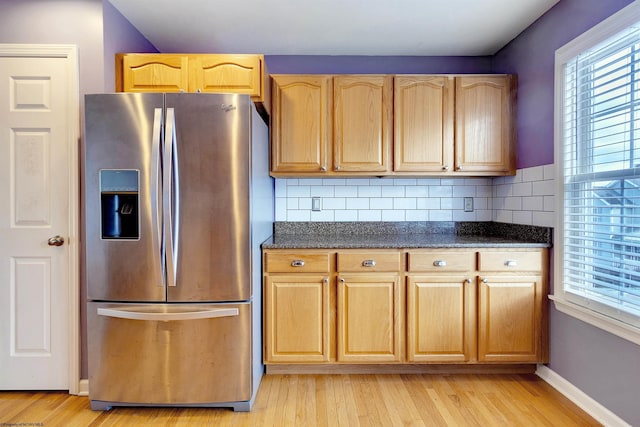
(297, 315)
(441, 318)
(368, 316)
(449, 306)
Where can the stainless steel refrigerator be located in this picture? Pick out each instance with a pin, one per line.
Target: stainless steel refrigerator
(177, 200)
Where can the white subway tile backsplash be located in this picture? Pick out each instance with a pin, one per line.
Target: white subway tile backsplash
(417, 191)
(346, 215)
(527, 198)
(370, 191)
(358, 203)
(405, 203)
(370, 215)
(381, 203)
(441, 191)
(346, 191)
(321, 191)
(393, 191)
(298, 191)
(533, 203)
(394, 215)
(334, 203)
(417, 215)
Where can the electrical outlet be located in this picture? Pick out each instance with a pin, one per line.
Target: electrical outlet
(468, 204)
(315, 204)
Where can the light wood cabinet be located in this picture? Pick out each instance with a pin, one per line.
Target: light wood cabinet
(512, 315)
(423, 123)
(414, 306)
(363, 123)
(297, 318)
(296, 307)
(214, 73)
(441, 306)
(301, 125)
(485, 124)
(368, 316)
(395, 125)
(369, 306)
(441, 318)
(326, 125)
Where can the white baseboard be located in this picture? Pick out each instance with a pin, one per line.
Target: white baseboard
(83, 388)
(577, 396)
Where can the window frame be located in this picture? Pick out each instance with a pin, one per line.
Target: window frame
(569, 304)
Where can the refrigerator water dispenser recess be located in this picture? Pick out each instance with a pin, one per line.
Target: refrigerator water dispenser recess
(119, 204)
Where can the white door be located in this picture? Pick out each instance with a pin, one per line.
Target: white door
(36, 170)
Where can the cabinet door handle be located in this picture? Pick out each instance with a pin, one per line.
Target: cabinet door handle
(341, 280)
(297, 263)
(445, 168)
(467, 280)
(485, 280)
(325, 280)
(369, 263)
(323, 168)
(439, 263)
(511, 263)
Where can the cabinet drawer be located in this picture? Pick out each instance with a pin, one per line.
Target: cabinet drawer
(510, 261)
(442, 261)
(368, 261)
(297, 263)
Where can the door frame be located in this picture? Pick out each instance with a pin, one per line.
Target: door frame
(70, 54)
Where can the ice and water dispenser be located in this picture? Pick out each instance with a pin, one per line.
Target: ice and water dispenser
(119, 189)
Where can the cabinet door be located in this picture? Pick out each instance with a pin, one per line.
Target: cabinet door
(423, 123)
(225, 73)
(363, 123)
(441, 319)
(368, 312)
(301, 123)
(485, 138)
(154, 73)
(510, 313)
(296, 318)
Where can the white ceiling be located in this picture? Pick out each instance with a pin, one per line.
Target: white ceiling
(333, 27)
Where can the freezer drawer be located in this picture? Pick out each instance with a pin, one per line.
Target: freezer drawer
(164, 354)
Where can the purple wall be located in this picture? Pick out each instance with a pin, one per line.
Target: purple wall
(531, 56)
(119, 37)
(301, 64)
(604, 366)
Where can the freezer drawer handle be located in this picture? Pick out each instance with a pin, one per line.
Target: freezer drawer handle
(165, 317)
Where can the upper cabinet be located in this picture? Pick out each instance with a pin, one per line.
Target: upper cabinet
(301, 123)
(362, 123)
(331, 124)
(217, 73)
(423, 123)
(384, 125)
(485, 124)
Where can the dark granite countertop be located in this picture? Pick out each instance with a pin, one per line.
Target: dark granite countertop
(371, 235)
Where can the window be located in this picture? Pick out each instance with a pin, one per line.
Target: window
(598, 173)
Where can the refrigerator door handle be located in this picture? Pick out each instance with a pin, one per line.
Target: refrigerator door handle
(156, 219)
(189, 314)
(170, 197)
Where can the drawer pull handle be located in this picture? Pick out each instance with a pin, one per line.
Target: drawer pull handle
(439, 263)
(297, 263)
(511, 263)
(369, 263)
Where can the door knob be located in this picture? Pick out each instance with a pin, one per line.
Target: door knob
(56, 241)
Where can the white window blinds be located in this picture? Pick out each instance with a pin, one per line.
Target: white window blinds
(601, 178)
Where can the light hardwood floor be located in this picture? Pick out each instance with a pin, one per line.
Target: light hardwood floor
(332, 400)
